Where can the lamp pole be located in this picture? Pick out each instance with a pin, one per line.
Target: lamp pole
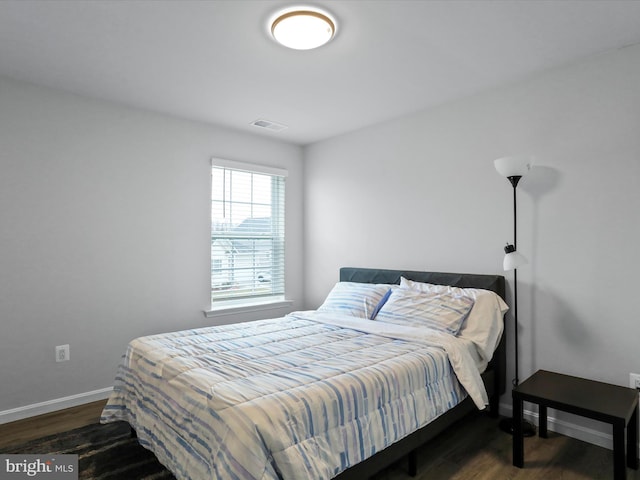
(514, 181)
(513, 168)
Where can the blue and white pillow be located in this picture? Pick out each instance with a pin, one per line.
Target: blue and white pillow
(362, 300)
(410, 308)
(484, 325)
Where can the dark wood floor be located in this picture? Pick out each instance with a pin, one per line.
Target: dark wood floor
(475, 449)
(479, 450)
(15, 433)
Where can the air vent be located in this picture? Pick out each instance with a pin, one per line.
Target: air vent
(269, 125)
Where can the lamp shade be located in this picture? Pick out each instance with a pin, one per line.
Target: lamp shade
(516, 166)
(512, 259)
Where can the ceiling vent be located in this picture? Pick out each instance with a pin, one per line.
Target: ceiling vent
(269, 125)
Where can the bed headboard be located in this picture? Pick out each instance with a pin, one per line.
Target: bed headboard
(495, 283)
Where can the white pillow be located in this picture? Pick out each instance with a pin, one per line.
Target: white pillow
(355, 299)
(413, 308)
(485, 323)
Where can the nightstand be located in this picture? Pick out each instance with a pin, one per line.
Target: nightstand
(600, 401)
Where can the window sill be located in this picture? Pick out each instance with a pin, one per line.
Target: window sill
(246, 308)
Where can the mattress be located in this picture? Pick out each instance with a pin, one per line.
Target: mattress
(303, 396)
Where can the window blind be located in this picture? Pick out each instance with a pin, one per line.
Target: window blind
(247, 233)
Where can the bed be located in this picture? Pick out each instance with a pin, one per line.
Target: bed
(339, 392)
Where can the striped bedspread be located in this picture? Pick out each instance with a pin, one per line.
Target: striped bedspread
(299, 397)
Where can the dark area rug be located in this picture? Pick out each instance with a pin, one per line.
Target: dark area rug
(105, 452)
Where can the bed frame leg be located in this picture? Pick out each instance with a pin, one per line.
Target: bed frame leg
(494, 406)
(413, 463)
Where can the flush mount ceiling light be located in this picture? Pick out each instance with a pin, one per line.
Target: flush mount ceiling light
(303, 28)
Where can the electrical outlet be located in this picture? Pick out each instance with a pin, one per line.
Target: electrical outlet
(634, 380)
(62, 353)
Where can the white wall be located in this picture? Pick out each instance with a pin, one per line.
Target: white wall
(104, 219)
(104, 233)
(421, 192)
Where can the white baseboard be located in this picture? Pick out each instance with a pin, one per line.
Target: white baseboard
(589, 435)
(54, 405)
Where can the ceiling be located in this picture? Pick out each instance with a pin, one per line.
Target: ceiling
(214, 61)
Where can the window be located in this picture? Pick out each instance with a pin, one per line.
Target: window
(247, 234)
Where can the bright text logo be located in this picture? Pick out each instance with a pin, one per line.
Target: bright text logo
(49, 467)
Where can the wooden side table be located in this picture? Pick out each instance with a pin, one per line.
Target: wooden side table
(600, 401)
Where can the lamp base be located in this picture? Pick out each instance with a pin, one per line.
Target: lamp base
(528, 429)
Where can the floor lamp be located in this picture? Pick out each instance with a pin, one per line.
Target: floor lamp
(514, 168)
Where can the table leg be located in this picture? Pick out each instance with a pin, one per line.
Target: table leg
(632, 441)
(518, 439)
(542, 421)
(619, 465)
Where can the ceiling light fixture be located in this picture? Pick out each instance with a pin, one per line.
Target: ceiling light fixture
(303, 28)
